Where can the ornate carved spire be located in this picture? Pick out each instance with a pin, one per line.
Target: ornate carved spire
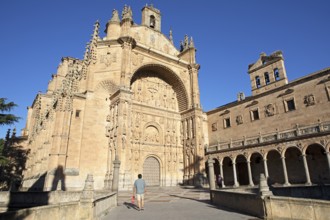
(171, 36)
(186, 43)
(90, 51)
(127, 13)
(191, 44)
(115, 16)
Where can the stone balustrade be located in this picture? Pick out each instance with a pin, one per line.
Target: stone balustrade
(269, 138)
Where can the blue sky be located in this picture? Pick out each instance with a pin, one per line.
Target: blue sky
(228, 35)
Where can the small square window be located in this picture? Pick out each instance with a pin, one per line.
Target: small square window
(290, 105)
(255, 115)
(227, 122)
(78, 113)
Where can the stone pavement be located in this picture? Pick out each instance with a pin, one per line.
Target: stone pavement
(172, 203)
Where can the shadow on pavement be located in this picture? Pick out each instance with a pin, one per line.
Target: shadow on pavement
(130, 205)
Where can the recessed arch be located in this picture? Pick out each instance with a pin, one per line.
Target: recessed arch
(257, 166)
(228, 175)
(242, 170)
(317, 164)
(167, 75)
(152, 136)
(275, 167)
(294, 165)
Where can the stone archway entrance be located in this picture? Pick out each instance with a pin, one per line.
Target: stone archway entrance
(151, 171)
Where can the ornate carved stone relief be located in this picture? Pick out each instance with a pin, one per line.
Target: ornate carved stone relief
(155, 92)
(214, 126)
(239, 119)
(106, 59)
(137, 59)
(309, 100)
(269, 110)
(151, 135)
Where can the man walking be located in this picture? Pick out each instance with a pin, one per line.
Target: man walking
(139, 190)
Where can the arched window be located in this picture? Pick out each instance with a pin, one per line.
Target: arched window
(152, 21)
(258, 81)
(266, 75)
(276, 74)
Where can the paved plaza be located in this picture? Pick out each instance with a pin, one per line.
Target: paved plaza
(172, 203)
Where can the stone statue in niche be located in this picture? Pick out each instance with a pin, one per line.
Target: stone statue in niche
(106, 59)
(309, 100)
(214, 126)
(270, 110)
(239, 119)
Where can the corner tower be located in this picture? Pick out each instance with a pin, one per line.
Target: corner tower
(267, 73)
(151, 17)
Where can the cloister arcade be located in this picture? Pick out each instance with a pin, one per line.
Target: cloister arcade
(283, 165)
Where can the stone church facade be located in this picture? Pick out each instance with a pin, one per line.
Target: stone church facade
(133, 99)
(133, 102)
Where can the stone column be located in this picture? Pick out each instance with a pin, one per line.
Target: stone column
(115, 180)
(308, 179)
(221, 174)
(263, 186)
(266, 168)
(236, 184)
(250, 174)
(86, 205)
(286, 181)
(210, 163)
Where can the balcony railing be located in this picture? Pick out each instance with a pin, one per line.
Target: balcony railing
(298, 131)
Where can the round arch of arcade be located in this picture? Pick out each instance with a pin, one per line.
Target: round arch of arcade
(298, 163)
(152, 170)
(169, 76)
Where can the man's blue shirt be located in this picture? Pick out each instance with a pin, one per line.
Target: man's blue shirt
(139, 184)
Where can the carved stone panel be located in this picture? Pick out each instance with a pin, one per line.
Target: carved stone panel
(309, 100)
(239, 119)
(155, 92)
(269, 110)
(151, 135)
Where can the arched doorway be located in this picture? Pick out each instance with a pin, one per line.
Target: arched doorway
(151, 171)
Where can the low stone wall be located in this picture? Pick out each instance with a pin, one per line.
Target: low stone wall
(307, 192)
(15, 200)
(59, 206)
(296, 208)
(271, 207)
(243, 202)
(104, 203)
(56, 212)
